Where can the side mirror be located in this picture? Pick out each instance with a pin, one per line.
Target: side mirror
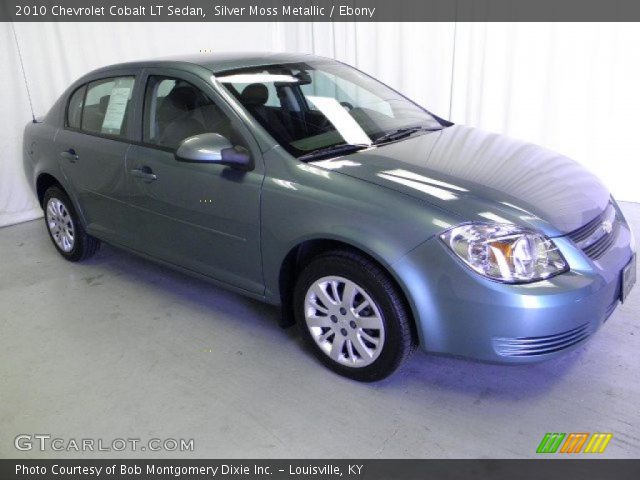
(213, 148)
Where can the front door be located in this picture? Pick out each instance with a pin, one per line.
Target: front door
(203, 217)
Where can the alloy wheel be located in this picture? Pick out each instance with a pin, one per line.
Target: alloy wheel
(60, 224)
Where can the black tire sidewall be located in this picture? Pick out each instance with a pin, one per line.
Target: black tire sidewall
(376, 283)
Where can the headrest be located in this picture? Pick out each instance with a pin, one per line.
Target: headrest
(184, 98)
(104, 103)
(255, 94)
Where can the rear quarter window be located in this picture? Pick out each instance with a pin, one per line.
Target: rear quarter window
(74, 109)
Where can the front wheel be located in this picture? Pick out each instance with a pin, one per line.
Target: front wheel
(353, 316)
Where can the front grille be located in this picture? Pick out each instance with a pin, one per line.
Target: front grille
(595, 238)
(532, 346)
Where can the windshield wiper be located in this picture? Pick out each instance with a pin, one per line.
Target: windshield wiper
(402, 133)
(333, 150)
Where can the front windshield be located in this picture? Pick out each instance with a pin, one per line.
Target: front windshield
(313, 106)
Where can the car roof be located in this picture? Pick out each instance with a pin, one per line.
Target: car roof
(219, 62)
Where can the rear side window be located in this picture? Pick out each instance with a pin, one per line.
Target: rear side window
(74, 109)
(106, 106)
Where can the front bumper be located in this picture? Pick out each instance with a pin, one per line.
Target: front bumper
(459, 312)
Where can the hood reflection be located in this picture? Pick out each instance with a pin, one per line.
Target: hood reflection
(485, 175)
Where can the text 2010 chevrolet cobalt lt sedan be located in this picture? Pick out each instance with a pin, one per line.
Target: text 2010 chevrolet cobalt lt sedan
(301, 181)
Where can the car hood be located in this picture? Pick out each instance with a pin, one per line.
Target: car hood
(482, 176)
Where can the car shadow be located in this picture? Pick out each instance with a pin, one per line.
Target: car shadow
(467, 377)
(221, 302)
(484, 380)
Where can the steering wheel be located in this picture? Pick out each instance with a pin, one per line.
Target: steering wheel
(347, 105)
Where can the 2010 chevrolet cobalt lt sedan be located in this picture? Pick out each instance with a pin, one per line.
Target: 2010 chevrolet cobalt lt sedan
(301, 181)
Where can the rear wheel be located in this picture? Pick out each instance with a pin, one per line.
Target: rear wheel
(353, 316)
(64, 227)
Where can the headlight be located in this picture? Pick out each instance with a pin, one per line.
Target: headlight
(506, 253)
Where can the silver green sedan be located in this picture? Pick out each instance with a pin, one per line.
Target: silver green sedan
(376, 225)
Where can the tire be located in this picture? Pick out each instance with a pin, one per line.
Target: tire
(65, 228)
(337, 296)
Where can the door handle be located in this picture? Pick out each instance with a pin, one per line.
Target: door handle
(70, 155)
(145, 173)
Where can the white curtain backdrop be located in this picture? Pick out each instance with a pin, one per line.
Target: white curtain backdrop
(574, 88)
(55, 54)
(16, 201)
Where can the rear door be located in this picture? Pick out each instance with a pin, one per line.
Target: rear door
(202, 217)
(93, 148)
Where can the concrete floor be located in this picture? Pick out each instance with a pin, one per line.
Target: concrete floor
(119, 347)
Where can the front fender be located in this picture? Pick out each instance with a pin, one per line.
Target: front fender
(301, 202)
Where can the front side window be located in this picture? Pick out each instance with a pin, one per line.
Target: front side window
(175, 110)
(313, 106)
(106, 106)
